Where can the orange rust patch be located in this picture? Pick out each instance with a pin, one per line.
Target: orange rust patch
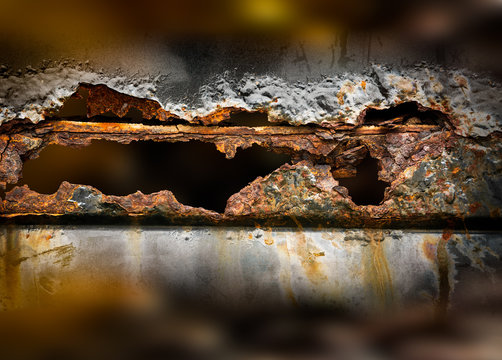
(447, 233)
(474, 207)
(307, 255)
(344, 173)
(102, 99)
(340, 96)
(376, 269)
(429, 247)
(312, 268)
(218, 115)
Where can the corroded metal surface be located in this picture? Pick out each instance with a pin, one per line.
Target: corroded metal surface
(417, 91)
(439, 152)
(470, 100)
(435, 176)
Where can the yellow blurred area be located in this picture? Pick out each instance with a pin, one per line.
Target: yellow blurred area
(82, 28)
(267, 13)
(92, 18)
(63, 22)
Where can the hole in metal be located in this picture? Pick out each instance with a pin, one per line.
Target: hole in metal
(196, 173)
(407, 113)
(74, 108)
(365, 188)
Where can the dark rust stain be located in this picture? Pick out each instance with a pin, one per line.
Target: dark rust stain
(442, 260)
(102, 99)
(429, 248)
(10, 281)
(474, 207)
(447, 233)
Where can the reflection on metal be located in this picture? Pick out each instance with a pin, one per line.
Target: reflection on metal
(359, 270)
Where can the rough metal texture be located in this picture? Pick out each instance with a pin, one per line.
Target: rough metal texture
(472, 101)
(435, 176)
(442, 161)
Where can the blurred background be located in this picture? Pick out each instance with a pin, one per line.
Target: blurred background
(295, 38)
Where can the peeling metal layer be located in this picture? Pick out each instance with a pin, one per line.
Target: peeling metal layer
(471, 102)
(34, 95)
(358, 270)
(440, 170)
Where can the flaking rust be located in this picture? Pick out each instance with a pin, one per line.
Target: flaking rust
(435, 174)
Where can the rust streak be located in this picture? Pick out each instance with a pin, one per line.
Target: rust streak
(442, 259)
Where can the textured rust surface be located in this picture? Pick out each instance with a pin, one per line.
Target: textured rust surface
(103, 100)
(433, 173)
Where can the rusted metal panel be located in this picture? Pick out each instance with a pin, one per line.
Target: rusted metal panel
(470, 100)
(435, 176)
(441, 160)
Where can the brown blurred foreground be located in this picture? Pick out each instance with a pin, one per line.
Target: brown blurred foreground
(99, 321)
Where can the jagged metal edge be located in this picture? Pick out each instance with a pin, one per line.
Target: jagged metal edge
(472, 100)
